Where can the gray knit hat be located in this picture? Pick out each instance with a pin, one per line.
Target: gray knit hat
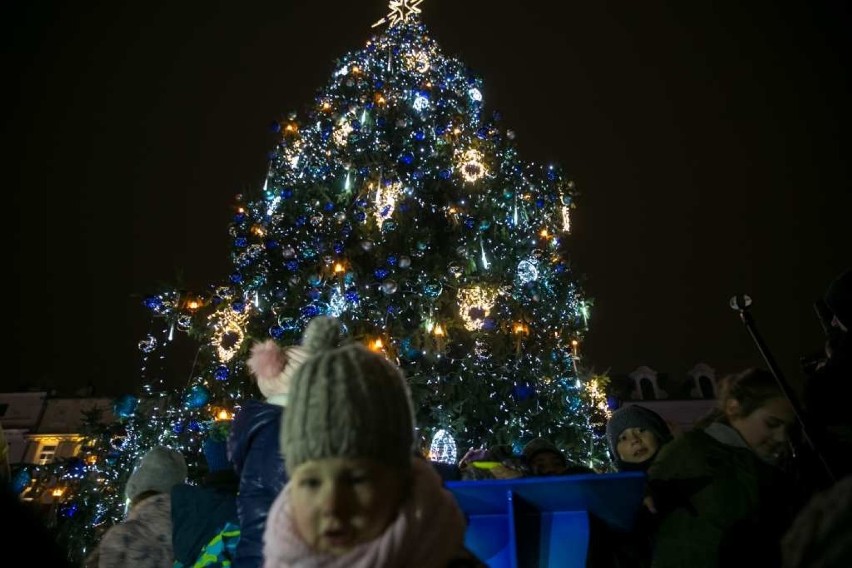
(158, 470)
(346, 401)
(635, 416)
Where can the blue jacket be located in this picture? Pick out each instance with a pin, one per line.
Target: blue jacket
(253, 448)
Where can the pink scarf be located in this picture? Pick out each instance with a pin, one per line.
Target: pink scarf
(427, 533)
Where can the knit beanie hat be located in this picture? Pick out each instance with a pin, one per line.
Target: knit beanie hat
(838, 298)
(273, 366)
(346, 402)
(538, 445)
(635, 416)
(158, 470)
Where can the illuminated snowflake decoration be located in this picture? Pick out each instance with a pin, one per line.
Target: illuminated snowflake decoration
(401, 11)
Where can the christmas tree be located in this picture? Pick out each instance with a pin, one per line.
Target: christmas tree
(394, 204)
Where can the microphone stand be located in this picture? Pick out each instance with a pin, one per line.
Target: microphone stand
(741, 303)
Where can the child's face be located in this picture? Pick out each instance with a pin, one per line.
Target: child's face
(765, 430)
(339, 503)
(547, 463)
(635, 445)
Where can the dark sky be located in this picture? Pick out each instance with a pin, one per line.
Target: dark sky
(710, 145)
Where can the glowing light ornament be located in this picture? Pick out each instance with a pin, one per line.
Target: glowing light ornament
(386, 197)
(337, 303)
(470, 166)
(527, 271)
(228, 334)
(475, 304)
(342, 132)
(420, 103)
(417, 61)
(566, 218)
(148, 344)
(443, 448)
(401, 11)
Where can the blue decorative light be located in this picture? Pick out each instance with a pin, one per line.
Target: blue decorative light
(222, 373)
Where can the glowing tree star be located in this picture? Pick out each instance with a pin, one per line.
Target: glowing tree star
(400, 12)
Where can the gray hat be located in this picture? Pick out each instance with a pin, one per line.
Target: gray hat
(158, 470)
(346, 401)
(635, 416)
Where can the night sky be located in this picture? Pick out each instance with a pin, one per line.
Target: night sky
(710, 146)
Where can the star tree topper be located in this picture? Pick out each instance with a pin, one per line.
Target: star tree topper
(400, 12)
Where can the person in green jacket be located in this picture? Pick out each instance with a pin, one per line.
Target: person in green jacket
(718, 490)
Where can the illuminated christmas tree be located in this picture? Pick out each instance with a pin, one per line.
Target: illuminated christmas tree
(394, 204)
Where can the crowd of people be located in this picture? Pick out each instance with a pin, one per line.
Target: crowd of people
(325, 472)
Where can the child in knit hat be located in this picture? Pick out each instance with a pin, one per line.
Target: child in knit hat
(144, 539)
(253, 445)
(635, 435)
(357, 496)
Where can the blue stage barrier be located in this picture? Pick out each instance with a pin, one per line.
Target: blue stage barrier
(543, 522)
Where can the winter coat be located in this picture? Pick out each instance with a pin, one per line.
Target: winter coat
(718, 502)
(254, 450)
(143, 539)
(200, 512)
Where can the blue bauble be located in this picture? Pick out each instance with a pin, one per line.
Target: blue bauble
(221, 373)
(276, 331)
(310, 311)
(433, 289)
(125, 406)
(153, 302)
(523, 392)
(196, 397)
